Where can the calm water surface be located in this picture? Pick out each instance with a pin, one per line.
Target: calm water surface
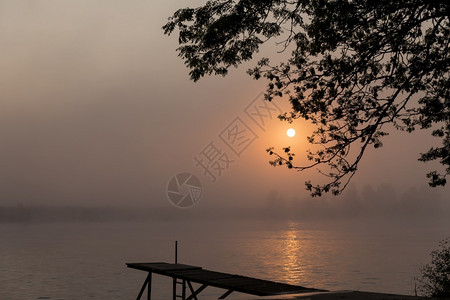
(87, 260)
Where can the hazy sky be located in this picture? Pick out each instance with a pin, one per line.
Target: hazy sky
(96, 108)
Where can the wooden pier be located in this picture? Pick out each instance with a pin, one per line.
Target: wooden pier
(184, 275)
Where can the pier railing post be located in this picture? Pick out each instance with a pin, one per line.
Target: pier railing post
(176, 252)
(174, 288)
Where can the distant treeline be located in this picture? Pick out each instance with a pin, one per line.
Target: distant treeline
(21, 213)
(47, 213)
(382, 202)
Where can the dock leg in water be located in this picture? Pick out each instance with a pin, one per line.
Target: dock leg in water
(148, 284)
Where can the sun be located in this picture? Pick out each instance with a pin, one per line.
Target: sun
(290, 132)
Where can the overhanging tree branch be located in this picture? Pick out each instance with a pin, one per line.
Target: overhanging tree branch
(355, 67)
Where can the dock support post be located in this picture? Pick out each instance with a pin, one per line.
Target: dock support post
(194, 295)
(147, 284)
(191, 289)
(174, 288)
(226, 294)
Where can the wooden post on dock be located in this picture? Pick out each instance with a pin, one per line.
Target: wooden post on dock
(176, 252)
(174, 287)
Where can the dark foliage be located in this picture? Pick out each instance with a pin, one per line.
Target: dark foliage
(435, 276)
(355, 66)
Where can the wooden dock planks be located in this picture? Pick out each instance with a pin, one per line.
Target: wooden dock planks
(230, 282)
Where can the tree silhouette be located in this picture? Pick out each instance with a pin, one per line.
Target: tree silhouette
(434, 278)
(355, 66)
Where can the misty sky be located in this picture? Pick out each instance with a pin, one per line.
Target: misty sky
(96, 108)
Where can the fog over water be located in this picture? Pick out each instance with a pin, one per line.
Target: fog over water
(97, 109)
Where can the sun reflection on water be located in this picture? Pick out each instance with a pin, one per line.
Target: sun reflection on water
(292, 249)
(297, 255)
